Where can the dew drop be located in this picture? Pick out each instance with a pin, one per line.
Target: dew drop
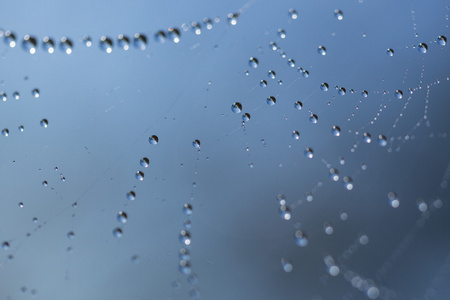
(338, 14)
(367, 137)
(131, 195)
(281, 33)
(399, 94)
(185, 237)
(144, 162)
(442, 40)
(187, 209)
(87, 41)
(174, 35)
(281, 199)
(106, 44)
(271, 74)
(122, 217)
(293, 14)
(373, 292)
(139, 175)
(5, 245)
(334, 174)
(327, 228)
(3, 96)
(291, 62)
(5, 132)
(140, 41)
(347, 182)
(341, 91)
(263, 83)
(29, 44)
(313, 119)
(185, 267)
(253, 62)
(295, 135)
(48, 44)
(322, 50)
(309, 153)
(271, 100)
(324, 86)
(123, 42)
(44, 183)
(16, 95)
(246, 117)
(232, 18)
(236, 107)
(153, 140)
(184, 254)
(304, 73)
(423, 48)
(390, 52)
(364, 94)
(298, 105)
(382, 141)
(35, 93)
(300, 238)
(160, 36)
(196, 144)
(286, 265)
(117, 232)
(71, 235)
(285, 212)
(10, 39)
(66, 45)
(44, 123)
(336, 130)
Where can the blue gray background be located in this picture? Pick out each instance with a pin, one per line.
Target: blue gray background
(101, 109)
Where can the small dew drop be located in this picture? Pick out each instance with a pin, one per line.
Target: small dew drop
(298, 105)
(187, 209)
(390, 52)
(293, 14)
(153, 140)
(185, 237)
(286, 265)
(139, 175)
(144, 162)
(336, 130)
(322, 50)
(295, 135)
(131, 195)
(423, 48)
(236, 107)
(324, 86)
(122, 217)
(300, 238)
(309, 153)
(44, 123)
(117, 232)
(338, 14)
(313, 119)
(367, 137)
(442, 40)
(271, 100)
(35, 93)
(253, 62)
(399, 94)
(382, 140)
(285, 212)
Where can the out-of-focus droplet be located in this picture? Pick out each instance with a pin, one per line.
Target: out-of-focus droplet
(281, 33)
(367, 137)
(300, 238)
(106, 44)
(123, 42)
(71, 235)
(281, 199)
(16, 95)
(187, 209)
(309, 153)
(10, 39)
(382, 141)
(185, 267)
(285, 212)
(286, 265)
(185, 237)
(87, 41)
(117, 232)
(338, 14)
(327, 228)
(48, 44)
(347, 182)
(5, 132)
(140, 41)
(29, 44)
(66, 45)
(293, 14)
(174, 35)
(334, 174)
(3, 96)
(263, 83)
(160, 36)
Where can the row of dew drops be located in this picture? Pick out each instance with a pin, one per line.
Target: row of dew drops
(139, 40)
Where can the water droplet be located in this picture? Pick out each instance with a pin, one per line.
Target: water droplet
(327, 228)
(21, 204)
(122, 217)
(300, 238)
(390, 52)
(48, 44)
(398, 94)
(422, 206)
(35, 93)
(367, 137)
(71, 235)
(117, 232)
(140, 41)
(304, 73)
(21, 128)
(271, 74)
(185, 237)
(236, 107)
(3, 96)
(309, 153)
(16, 95)
(66, 45)
(232, 18)
(246, 117)
(106, 44)
(153, 140)
(341, 160)
(123, 42)
(348, 182)
(382, 141)
(344, 216)
(253, 62)
(363, 239)
(281, 199)
(298, 105)
(309, 197)
(333, 270)
(291, 62)
(139, 175)
(174, 35)
(341, 91)
(338, 14)
(184, 254)
(285, 212)
(10, 39)
(423, 48)
(44, 183)
(5, 132)
(131, 195)
(364, 94)
(263, 83)
(187, 209)
(286, 265)
(44, 123)
(185, 267)
(87, 41)
(160, 36)
(208, 23)
(196, 28)
(322, 50)
(271, 100)
(281, 33)
(373, 292)
(196, 144)
(313, 119)
(29, 44)
(336, 130)
(5, 245)
(295, 135)
(334, 174)
(135, 259)
(144, 162)
(442, 40)
(293, 14)
(273, 46)
(324, 86)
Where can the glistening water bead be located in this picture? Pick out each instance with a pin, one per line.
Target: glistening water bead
(253, 62)
(246, 117)
(442, 40)
(285, 212)
(394, 201)
(298, 105)
(423, 48)
(300, 238)
(336, 130)
(122, 217)
(309, 153)
(324, 86)
(153, 140)
(44, 123)
(48, 44)
(139, 175)
(236, 107)
(322, 50)
(196, 144)
(398, 94)
(144, 162)
(295, 135)
(390, 52)
(338, 14)
(382, 141)
(185, 237)
(106, 44)
(29, 44)
(293, 14)
(271, 100)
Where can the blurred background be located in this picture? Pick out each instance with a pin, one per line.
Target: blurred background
(224, 150)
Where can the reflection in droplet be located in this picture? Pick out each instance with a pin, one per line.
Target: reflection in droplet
(300, 238)
(322, 50)
(185, 237)
(309, 153)
(286, 265)
(29, 44)
(285, 212)
(336, 130)
(423, 48)
(144, 162)
(48, 44)
(66, 45)
(106, 44)
(298, 105)
(442, 40)
(140, 41)
(390, 52)
(324, 86)
(338, 14)
(253, 62)
(295, 135)
(236, 107)
(153, 140)
(139, 175)
(44, 123)
(122, 217)
(271, 100)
